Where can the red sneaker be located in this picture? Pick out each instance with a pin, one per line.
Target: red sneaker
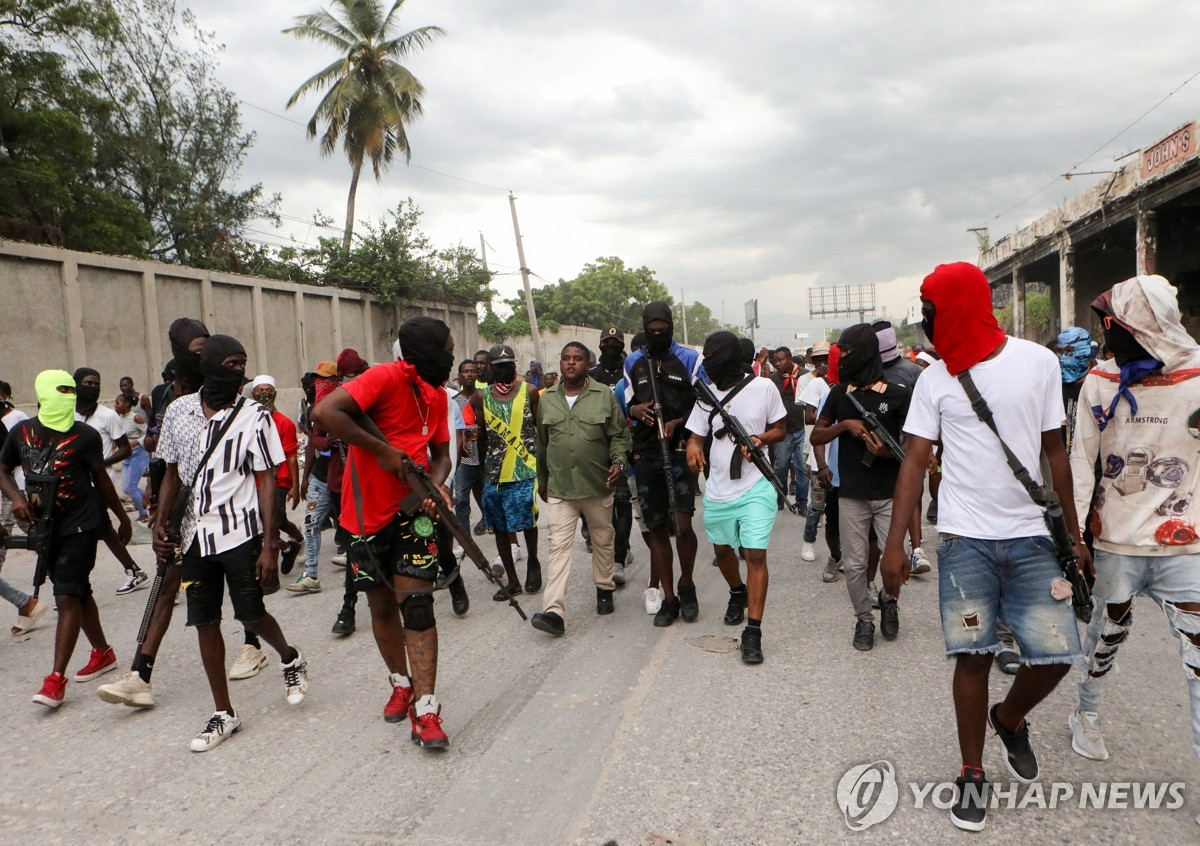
(397, 708)
(54, 689)
(101, 662)
(427, 729)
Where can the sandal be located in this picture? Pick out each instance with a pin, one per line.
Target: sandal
(26, 624)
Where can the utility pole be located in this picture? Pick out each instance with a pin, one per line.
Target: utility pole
(683, 313)
(483, 250)
(533, 324)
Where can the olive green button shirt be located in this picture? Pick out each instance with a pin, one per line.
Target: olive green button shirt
(576, 446)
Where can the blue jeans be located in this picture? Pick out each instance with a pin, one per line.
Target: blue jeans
(319, 505)
(11, 593)
(983, 581)
(816, 507)
(132, 470)
(790, 453)
(465, 477)
(1169, 580)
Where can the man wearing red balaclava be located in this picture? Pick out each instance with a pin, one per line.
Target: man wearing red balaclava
(996, 560)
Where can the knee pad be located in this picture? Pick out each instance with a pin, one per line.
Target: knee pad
(417, 612)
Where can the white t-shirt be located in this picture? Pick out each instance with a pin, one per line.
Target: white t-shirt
(10, 421)
(108, 423)
(757, 406)
(457, 424)
(814, 394)
(979, 497)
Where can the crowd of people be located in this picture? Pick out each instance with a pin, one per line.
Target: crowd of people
(1100, 437)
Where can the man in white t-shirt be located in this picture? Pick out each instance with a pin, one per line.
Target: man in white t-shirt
(996, 559)
(739, 502)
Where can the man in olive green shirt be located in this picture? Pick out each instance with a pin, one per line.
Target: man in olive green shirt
(582, 441)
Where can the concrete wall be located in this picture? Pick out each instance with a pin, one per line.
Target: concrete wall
(66, 309)
(553, 343)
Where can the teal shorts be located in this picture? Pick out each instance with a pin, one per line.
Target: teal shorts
(746, 521)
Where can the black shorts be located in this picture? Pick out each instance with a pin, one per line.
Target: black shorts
(652, 487)
(71, 560)
(407, 546)
(204, 580)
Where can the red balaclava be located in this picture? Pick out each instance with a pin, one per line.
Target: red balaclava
(835, 355)
(967, 331)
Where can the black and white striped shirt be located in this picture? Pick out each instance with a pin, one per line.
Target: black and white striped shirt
(224, 512)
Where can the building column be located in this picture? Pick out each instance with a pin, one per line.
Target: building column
(1018, 300)
(153, 336)
(1147, 242)
(262, 362)
(1066, 283)
(369, 331)
(336, 312)
(73, 311)
(301, 340)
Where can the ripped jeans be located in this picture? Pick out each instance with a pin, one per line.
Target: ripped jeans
(1171, 581)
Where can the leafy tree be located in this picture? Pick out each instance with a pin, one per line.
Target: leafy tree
(605, 293)
(700, 323)
(369, 97)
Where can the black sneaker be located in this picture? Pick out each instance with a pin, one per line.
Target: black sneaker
(668, 613)
(604, 601)
(889, 618)
(752, 645)
(735, 612)
(548, 622)
(1019, 757)
(969, 811)
(931, 513)
(1008, 662)
(864, 635)
(344, 624)
(479, 529)
(459, 601)
(689, 608)
(288, 560)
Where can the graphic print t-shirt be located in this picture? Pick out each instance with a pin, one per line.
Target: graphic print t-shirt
(858, 481)
(76, 453)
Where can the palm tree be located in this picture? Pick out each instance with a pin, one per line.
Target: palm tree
(369, 97)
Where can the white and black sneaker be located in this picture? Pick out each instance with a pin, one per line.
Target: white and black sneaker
(969, 811)
(221, 725)
(137, 579)
(1018, 754)
(295, 679)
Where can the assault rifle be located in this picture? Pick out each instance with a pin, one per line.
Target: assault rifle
(1064, 551)
(422, 488)
(40, 491)
(736, 432)
(876, 427)
(173, 530)
(663, 446)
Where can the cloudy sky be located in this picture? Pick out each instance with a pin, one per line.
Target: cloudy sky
(748, 149)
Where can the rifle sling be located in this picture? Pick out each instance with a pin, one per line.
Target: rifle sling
(736, 460)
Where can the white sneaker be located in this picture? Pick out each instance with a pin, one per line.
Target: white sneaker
(339, 560)
(220, 726)
(459, 552)
(295, 679)
(808, 552)
(129, 690)
(654, 599)
(517, 553)
(135, 581)
(918, 563)
(1086, 738)
(249, 661)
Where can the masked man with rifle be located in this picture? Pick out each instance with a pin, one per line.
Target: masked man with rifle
(739, 501)
(864, 413)
(1145, 401)
(996, 559)
(659, 398)
(65, 480)
(393, 554)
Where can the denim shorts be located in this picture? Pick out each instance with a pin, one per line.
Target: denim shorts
(983, 581)
(746, 521)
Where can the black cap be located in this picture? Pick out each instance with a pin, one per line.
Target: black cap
(612, 332)
(501, 353)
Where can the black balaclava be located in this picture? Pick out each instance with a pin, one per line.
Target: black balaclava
(723, 359)
(657, 345)
(170, 371)
(862, 366)
(182, 332)
(221, 384)
(637, 341)
(423, 345)
(87, 397)
(746, 354)
(611, 356)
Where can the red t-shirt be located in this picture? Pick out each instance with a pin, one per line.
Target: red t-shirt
(287, 436)
(385, 394)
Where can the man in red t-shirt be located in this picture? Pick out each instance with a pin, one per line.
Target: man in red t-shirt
(287, 483)
(393, 555)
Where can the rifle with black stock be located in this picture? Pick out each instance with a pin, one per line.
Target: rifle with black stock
(663, 446)
(741, 438)
(40, 489)
(875, 426)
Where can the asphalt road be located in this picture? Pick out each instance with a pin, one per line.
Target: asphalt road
(618, 732)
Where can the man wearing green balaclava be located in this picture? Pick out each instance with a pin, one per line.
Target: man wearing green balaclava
(64, 468)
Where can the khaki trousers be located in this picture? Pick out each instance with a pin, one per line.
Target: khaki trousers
(562, 517)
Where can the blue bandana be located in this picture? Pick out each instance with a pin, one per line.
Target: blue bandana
(1131, 373)
(1075, 353)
